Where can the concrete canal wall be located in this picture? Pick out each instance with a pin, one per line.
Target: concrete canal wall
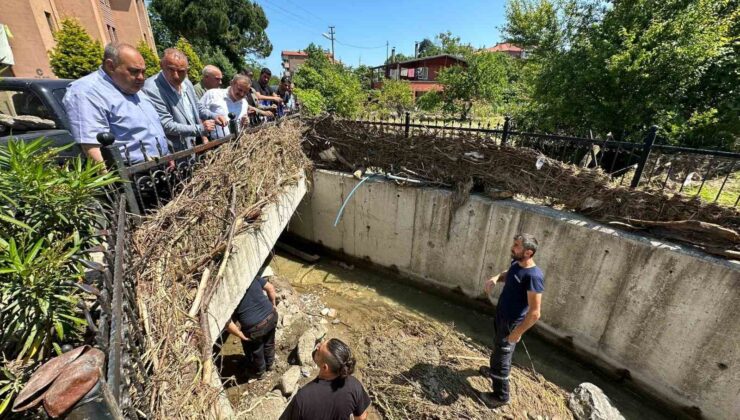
(664, 316)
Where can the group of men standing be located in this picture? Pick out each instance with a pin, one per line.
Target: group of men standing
(164, 113)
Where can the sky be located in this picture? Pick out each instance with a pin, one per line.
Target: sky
(363, 27)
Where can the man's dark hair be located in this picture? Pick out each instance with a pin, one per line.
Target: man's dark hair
(285, 79)
(529, 242)
(340, 359)
(265, 70)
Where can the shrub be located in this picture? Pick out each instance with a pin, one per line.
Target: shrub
(311, 100)
(48, 218)
(396, 95)
(150, 58)
(76, 53)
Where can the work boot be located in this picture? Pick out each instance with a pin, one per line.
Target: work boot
(491, 400)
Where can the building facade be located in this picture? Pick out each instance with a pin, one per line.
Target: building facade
(29, 26)
(292, 60)
(421, 73)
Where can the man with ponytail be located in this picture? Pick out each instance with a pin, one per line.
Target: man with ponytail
(335, 394)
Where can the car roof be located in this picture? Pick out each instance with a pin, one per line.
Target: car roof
(18, 82)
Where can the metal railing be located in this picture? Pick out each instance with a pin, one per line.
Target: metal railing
(647, 165)
(114, 319)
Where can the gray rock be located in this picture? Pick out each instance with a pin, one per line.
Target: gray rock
(306, 344)
(289, 381)
(271, 406)
(588, 402)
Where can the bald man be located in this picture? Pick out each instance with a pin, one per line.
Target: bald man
(184, 120)
(211, 78)
(109, 101)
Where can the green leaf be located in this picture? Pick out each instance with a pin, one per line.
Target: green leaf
(74, 319)
(15, 222)
(6, 402)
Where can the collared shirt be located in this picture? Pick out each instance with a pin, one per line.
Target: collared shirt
(95, 105)
(219, 102)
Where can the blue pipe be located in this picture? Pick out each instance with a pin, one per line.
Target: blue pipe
(346, 200)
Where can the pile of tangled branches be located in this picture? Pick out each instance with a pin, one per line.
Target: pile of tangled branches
(180, 252)
(461, 162)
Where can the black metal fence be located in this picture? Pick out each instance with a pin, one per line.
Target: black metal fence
(706, 174)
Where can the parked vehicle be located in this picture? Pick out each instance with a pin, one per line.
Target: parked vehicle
(40, 98)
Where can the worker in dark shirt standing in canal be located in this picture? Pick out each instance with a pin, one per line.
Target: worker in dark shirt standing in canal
(335, 394)
(257, 316)
(517, 311)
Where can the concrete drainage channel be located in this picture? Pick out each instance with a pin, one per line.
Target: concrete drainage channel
(661, 316)
(632, 307)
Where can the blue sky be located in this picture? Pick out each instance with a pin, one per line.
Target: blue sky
(369, 24)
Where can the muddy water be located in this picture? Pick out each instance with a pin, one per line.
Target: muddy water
(356, 293)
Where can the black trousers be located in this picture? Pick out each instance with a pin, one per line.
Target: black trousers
(501, 358)
(260, 348)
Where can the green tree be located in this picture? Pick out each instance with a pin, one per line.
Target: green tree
(196, 66)
(237, 27)
(76, 54)
(639, 62)
(484, 79)
(339, 87)
(396, 95)
(398, 58)
(450, 44)
(427, 48)
(312, 101)
(150, 58)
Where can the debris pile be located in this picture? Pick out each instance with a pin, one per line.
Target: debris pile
(463, 163)
(180, 251)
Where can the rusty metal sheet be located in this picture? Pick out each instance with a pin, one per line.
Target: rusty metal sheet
(74, 382)
(31, 394)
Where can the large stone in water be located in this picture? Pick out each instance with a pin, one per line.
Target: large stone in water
(588, 402)
(289, 381)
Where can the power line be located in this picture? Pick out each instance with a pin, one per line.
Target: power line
(320, 19)
(296, 18)
(358, 46)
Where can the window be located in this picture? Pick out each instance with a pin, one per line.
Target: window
(50, 22)
(422, 73)
(21, 102)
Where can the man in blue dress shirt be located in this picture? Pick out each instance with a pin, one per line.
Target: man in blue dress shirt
(109, 100)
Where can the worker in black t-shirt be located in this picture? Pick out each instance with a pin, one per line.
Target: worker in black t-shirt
(265, 94)
(334, 394)
(257, 316)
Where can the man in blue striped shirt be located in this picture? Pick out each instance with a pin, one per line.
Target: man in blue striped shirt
(109, 100)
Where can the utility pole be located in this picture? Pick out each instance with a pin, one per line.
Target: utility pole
(331, 34)
(386, 51)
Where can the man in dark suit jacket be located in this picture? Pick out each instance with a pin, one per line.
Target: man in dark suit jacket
(183, 118)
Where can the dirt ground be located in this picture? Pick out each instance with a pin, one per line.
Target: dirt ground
(412, 365)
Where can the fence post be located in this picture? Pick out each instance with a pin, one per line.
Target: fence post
(407, 125)
(233, 125)
(507, 126)
(114, 162)
(649, 140)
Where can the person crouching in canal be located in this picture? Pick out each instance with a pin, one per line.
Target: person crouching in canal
(258, 317)
(335, 394)
(517, 311)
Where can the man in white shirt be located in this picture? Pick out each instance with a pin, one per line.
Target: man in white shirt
(231, 100)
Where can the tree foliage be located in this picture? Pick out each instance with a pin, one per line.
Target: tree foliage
(622, 68)
(76, 54)
(236, 27)
(196, 66)
(150, 59)
(484, 78)
(396, 95)
(339, 88)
